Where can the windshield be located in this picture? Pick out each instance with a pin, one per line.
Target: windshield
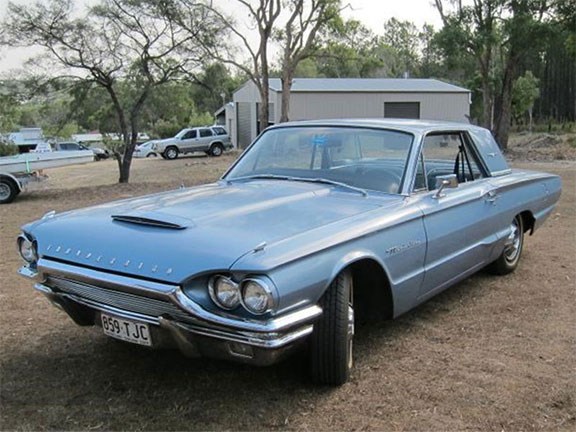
(181, 133)
(370, 159)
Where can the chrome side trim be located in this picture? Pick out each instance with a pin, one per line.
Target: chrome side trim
(500, 173)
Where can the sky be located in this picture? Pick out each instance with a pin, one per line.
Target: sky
(372, 13)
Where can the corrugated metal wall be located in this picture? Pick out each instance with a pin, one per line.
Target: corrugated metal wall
(244, 124)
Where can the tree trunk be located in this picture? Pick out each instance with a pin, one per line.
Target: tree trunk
(503, 107)
(287, 75)
(126, 160)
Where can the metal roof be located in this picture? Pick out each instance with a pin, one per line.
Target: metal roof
(369, 85)
(407, 125)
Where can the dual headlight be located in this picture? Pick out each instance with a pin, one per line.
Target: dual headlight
(28, 249)
(252, 293)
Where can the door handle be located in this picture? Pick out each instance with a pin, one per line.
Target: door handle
(491, 196)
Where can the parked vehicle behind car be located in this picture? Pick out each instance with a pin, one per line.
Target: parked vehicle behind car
(99, 153)
(317, 225)
(212, 140)
(145, 150)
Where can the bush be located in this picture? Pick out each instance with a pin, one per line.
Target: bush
(8, 149)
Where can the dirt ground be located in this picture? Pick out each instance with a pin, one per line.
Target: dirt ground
(492, 353)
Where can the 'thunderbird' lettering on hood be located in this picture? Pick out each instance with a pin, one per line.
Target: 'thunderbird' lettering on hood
(172, 236)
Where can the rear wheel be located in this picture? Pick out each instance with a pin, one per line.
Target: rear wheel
(8, 191)
(510, 257)
(331, 356)
(216, 150)
(171, 153)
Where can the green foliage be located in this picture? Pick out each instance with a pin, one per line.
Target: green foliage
(350, 50)
(7, 149)
(524, 93)
(9, 113)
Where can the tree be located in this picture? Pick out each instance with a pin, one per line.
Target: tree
(263, 15)
(348, 49)
(297, 39)
(524, 93)
(472, 30)
(495, 33)
(402, 37)
(125, 47)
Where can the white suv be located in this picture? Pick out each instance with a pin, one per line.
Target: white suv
(212, 140)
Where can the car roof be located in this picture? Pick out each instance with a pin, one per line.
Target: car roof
(407, 125)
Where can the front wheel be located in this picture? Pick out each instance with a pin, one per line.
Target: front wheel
(331, 357)
(171, 153)
(510, 257)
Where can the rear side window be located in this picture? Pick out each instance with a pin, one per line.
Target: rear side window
(443, 154)
(219, 130)
(205, 133)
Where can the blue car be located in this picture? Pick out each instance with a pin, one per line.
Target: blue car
(316, 225)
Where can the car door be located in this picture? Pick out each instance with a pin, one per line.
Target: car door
(188, 141)
(205, 138)
(459, 221)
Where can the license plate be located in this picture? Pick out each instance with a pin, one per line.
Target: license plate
(126, 330)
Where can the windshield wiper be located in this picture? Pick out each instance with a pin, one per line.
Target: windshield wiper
(301, 179)
(330, 182)
(260, 177)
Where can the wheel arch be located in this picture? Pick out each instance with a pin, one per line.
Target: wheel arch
(373, 295)
(528, 221)
(13, 180)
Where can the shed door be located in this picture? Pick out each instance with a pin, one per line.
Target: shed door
(407, 110)
(243, 124)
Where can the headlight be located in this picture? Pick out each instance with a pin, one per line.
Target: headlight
(27, 249)
(256, 296)
(224, 292)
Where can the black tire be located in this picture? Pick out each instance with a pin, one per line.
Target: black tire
(216, 150)
(510, 257)
(171, 153)
(331, 357)
(8, 191)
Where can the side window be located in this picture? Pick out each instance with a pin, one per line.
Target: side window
(190, 134)
(205, 133)
(443, 154)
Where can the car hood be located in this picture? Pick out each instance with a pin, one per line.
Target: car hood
(174, 235)
(165, 140)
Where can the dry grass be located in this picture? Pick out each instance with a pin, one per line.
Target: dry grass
(492, 353)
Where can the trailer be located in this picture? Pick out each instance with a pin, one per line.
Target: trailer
(16, 172)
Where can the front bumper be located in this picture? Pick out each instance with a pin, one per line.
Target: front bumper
(175, 320)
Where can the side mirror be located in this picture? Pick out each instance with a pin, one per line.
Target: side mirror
(449, 181)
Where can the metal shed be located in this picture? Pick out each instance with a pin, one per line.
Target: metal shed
(324, 98)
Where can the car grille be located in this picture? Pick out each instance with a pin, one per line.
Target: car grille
(118, 299)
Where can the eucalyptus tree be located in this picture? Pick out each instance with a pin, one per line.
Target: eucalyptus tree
(498, 34)
(127, 44)
(298, 38)
(247, 46)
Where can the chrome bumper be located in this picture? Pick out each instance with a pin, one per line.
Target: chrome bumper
(179, 320)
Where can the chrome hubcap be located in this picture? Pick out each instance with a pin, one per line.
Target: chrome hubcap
(350, 335)
(514, 242)
(4, 191)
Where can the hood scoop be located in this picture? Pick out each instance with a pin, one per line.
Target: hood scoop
(155, 219)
